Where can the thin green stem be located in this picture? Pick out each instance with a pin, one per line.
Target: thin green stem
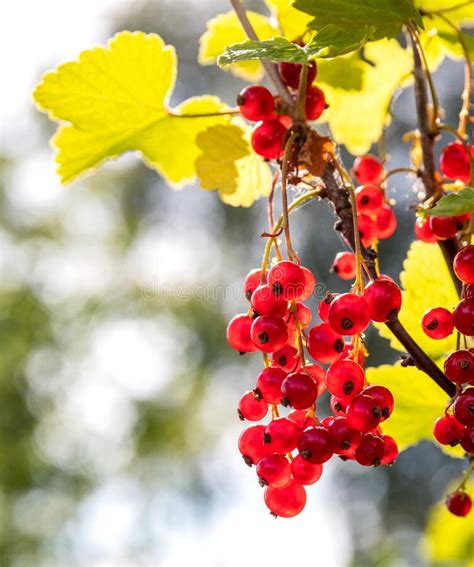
(230, 112)
(284, 193)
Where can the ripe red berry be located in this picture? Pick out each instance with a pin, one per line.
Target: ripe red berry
(345, 437)
(301, 418)
(348, 353)
(339, 405)
(385, 223)
(255, 103)
(368, 169)
(423, 230)
(299, 390)
(281, 435)
(370, 451)
(251, 282)
(285, 501)
(391, 450)
(267, 138)
(265, 302)
(273, 470)
(345, 378)
(309, 283)
(364, 413)
(463, 407)
(323, 307)
(269, 383)
(305, 472)
(438, 323)
(383, 398)
(459, 366)
(348, 314)
(464, 317)
(291, 72)
(454, 162)
(251, 407)
(384, 299)
(367, 229)
(447, 430)
(238, 333)
(369, 198)
(286, 358)
(251, 444)
(324, 344)
(344, 265)
(459, 503)
(269, 333)
(318, 374)
(464, 264)
(303, 315)
(467, 441)
(316, 445)
(446, 227)
(315, 103)
(287, 280)
(469, 291)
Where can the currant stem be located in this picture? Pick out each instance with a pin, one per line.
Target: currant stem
(467, 475)
(284, 194)
(270, 218)
(230, 112)
(396, 170)
(301, 98)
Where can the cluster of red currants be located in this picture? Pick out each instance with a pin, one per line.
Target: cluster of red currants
(257, 104)
(277, 324)
(376, 218)
(438, 323)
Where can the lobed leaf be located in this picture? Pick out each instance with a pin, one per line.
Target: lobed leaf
(454, 204)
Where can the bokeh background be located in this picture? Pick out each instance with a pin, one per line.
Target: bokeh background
(118, 391)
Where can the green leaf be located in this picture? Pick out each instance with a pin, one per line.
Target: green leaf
(333, 40)
(386, 16)
(115, 99)
(454, 204)
(418, 403)
(424, 268)
(346, 73)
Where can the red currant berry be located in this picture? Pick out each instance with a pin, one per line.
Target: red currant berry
(459, 366)
(299, 391)
(447, 430)
(345, 437)
(383, 398)
(385, 223)
(255, 103)
(446, 227)
(323, 307)
(315, 103)
(368, 169)
(303, 315)
(423, 231)
(251, 407)
(370, 451)
(454, 162)
(348, 314)
(323, 344)
(291, 72)
(316, 445)
(469, 291)
(267, 138)
(459, 503)
(467, 441)
(287, 280)
(464, 317)
(251, 282)
(269, 333)
(286, 358)
(339, 405)
(238, 334)
(309, 283)
(364, 413)
(285, 501)
(464, 264)
(301, 418)
(251, 444)
(391, 450)
(369, 198)
(344, 265)
(269, 383)
(463, 408)
(281, 435)
(384, 299)
(318, 374)
(305, 472)
(367, 229)
(345, 378)
(438, 323)
(273, 470)
(265, 302)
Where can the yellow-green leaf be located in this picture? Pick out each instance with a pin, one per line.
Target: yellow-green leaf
(418, 403)
(424, 269)
(225, 29)
(293, 23)
(449, 539)
(229, 165)
(462, 14)
(114, 99)
(357, 118)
